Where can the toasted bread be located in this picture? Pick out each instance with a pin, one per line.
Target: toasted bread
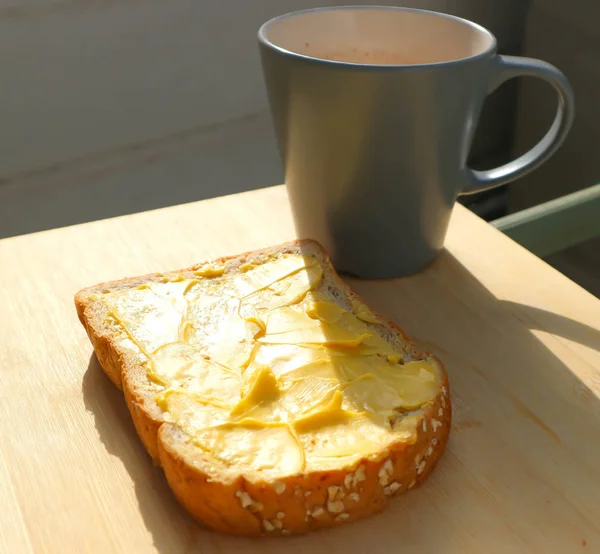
(270, 464)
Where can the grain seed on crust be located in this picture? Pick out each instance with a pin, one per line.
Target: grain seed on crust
(350, 480)
(391, 489)
(384, 478)
(440, 412)
(342, 517)
(277, 523)
(269, 527)
(424, 426)
(360, 474)
(248, 502)
(354, 497)
(385, 472)
(435, 424)
(421, 467)
(245, 499)
(334, 493)
(335, 507)
(279, 487)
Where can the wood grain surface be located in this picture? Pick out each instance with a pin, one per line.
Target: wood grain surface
(520, 341)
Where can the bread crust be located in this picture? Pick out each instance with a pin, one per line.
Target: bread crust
(292, 505)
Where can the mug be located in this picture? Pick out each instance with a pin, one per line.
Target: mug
(374, 110)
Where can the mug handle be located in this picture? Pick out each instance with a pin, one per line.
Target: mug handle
(508, 67)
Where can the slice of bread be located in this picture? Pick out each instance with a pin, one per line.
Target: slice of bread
(273, 398)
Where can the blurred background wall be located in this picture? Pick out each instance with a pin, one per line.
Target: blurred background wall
(110, 107)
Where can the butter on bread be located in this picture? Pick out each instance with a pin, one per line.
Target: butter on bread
(272, 396)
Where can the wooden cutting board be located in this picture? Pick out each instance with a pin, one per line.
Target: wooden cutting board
(521, 343)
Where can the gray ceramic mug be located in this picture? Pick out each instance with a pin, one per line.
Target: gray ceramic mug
(374, 110)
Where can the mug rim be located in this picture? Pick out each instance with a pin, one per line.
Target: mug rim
(490, 50)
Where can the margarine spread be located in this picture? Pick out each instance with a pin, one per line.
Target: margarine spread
(266, 373)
